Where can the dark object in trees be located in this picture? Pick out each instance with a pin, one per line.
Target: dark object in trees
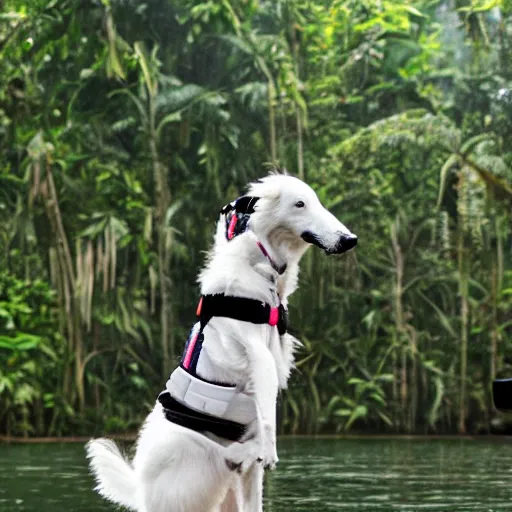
(502, 394)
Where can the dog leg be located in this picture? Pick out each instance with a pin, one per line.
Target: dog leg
(253, 489)
(230, 502)
(234, 500)
(240, 458)
(264, 387)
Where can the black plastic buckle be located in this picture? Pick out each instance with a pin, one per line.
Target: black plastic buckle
(282, 323)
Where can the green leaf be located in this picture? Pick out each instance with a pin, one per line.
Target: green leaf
(385, 377)
(144, 65)
(433, 413)
(178, 98)
(136, 101)
(445, 321)
(20, 342)
(114, 66)
(378, 398)
(361, 411)
(413, 10)
(171, 211)
(385, 418)
(355, 380)
(173, 117)
(237, 42)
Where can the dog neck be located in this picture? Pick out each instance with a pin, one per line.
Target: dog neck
(240, 268)
(283, 253)
(283, 248)
(279, 269)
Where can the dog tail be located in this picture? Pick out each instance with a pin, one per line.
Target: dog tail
(114, 475)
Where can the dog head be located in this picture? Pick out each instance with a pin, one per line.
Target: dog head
(288, 211)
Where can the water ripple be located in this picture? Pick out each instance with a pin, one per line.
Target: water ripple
(313, 475)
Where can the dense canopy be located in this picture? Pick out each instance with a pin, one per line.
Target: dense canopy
(126, 125)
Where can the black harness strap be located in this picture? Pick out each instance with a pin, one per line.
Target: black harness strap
(239, 308)
(180, 414)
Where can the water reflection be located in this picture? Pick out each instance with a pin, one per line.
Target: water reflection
(313, 475)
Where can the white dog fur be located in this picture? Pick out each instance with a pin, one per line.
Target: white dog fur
(179, 470)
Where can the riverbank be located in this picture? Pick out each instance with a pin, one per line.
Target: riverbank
(132, 437)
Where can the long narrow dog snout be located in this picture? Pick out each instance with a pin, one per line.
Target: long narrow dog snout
(345, 243)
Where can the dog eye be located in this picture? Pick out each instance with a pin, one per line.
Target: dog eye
(300, 204)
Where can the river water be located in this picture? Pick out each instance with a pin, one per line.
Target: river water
(313, 475)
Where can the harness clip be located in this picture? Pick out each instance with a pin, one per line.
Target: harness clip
(274, 316)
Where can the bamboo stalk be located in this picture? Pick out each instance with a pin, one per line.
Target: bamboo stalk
(464, 306)
(399, 316)
(494, 317)
(89, 284)
(300, 144)
(463, 364)
(163, 201)
(271, 118)
(106, 259)
(99, 257)
(113, 258)
(413, 378)
(60, 226)
(299, 121)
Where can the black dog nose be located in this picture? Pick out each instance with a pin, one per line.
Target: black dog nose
(350, 242)
(345, 243)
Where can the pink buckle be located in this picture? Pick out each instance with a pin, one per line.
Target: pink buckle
(274, 316)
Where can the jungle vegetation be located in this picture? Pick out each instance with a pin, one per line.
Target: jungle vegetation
(126, 125)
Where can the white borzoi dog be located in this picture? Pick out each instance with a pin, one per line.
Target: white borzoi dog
(179, 469)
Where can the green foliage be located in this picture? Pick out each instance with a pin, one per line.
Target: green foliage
(124, 127)
(28, 353)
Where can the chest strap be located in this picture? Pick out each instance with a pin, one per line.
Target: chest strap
(246, 310)
(239, 308)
